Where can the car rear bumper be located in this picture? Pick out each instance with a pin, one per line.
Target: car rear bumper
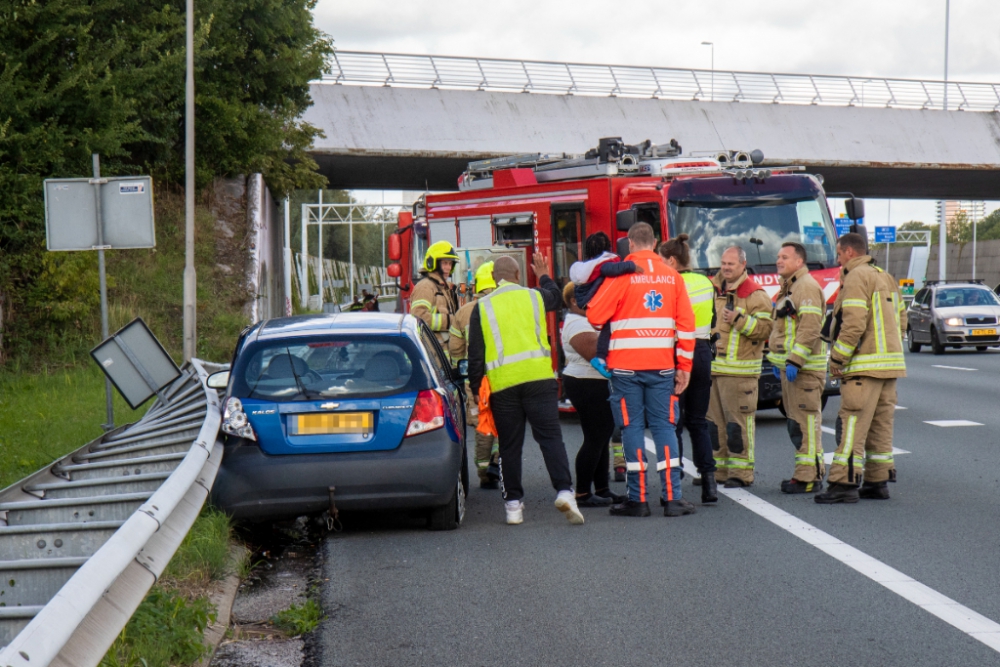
(420, 473)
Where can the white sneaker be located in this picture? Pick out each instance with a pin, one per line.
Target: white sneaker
(566, 503)
(515, 512)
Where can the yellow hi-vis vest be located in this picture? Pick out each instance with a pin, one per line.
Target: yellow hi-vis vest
(516, 337)
(701, 292)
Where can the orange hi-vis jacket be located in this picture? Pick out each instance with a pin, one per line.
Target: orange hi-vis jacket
(650, 317)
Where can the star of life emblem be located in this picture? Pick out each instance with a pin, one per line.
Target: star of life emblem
(653, 301)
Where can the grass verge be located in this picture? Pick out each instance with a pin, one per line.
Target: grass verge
(299, 619)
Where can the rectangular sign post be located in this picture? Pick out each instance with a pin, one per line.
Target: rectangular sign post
(886, 235)
(99, 214)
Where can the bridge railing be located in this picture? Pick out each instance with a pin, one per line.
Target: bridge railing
(537, 76)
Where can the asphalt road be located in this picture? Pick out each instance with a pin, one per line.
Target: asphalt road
(725, 586)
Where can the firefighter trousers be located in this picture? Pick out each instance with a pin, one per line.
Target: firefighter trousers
(803, 402)
(732, 426)
(864, 430)
(487, 447)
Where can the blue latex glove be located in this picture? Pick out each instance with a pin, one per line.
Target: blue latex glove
(791, 372)
(601, 366)
(776, 371)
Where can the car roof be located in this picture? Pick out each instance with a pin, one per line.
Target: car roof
(327, 323)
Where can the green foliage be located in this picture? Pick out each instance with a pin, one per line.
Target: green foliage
(203, 556)
(299, 620)
(107, 76)
(166, 630)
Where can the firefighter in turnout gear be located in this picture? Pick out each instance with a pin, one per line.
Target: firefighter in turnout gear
(866, 331)
(744, 322)
(799, 357)
(433, 298)
(487, 449)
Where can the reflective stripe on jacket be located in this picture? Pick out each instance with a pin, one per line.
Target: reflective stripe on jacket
(516, 337)
(870, 339)
(795, 338)
(701, 293)
(458, 334)
(650, 317)
(740, 347)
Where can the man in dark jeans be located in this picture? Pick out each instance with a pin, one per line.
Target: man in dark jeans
(509, 348)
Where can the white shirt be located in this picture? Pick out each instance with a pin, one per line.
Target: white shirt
(577, 366)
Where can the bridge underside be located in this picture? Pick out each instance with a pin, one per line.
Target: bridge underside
(411, 138)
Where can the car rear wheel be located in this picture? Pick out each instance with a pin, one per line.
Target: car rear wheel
(937, 347)
(914, 345)
(981, 348)
(450, 516)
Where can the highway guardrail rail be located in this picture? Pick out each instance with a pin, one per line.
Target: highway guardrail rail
(83, 540)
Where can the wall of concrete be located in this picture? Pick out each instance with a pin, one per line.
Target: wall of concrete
(958, 266)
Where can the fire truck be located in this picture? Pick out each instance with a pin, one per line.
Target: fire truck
(550, 203)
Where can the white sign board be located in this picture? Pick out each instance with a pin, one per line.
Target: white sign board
(126, 207)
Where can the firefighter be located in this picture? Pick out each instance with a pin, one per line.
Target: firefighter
(650, 357)
(866, 330)
(695, 399)
(487, 449)
(799, 357)
(743, 324)
(433, 298)
(509, 349)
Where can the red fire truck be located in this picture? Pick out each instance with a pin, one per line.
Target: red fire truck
(549, 203)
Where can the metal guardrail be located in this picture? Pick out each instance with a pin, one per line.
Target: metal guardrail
(538, 76)
(82, 541)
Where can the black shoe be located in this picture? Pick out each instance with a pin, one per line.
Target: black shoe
(619, 474)
(874, 491)
(630, 508)
(796, 486)
(489, 484)
(678, 508)
(592, 500)
(734, 483)
(610, 495)
(493, 472)
(709, 489)
(838, 493)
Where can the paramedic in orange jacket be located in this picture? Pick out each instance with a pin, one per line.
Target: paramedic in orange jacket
(650, 357)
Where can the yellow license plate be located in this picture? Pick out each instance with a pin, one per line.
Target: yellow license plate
(334, 423)
(984, 332)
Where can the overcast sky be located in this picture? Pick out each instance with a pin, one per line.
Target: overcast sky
(897, 38)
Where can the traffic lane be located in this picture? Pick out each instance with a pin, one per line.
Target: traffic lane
(938, 527)
(721, 587)
(945, 373)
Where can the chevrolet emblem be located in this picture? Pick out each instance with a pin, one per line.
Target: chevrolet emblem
(330, 406)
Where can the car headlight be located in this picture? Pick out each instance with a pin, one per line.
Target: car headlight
(235, 422)
(954, 321)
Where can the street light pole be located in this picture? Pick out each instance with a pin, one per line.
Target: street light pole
(947, 16)
(190, 278)
(712, 44)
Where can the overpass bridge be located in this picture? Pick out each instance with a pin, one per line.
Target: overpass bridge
(414, 121)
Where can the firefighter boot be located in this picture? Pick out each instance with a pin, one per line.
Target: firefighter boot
(874, 491)
(630, 508)
(795, 486)
(709, 489)
(838, 493)
(678, 508)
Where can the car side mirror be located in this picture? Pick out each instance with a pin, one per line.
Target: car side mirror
(621, 247)
(218, 380)
(625, 219)
(925, 306)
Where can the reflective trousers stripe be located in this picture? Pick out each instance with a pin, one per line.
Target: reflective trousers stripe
(667, 465)
(635, 466)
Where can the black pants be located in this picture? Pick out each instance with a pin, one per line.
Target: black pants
(536, 403)
(694, 406)
(590, 398)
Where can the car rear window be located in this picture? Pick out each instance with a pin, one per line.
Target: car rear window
(330, 367)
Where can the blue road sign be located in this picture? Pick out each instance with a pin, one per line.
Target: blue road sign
(885, 235)
(843, 226)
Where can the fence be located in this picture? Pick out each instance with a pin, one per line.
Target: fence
(337, 278)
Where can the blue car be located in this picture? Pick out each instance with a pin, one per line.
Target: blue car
(353, 411)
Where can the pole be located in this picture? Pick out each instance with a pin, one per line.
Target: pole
(288, 258)
(974, 216)
(190, 277)
(350, 252)
(319, 251)
(947, 17)
(304, 260)
(109, 405)
(942, 243)
(713, 73)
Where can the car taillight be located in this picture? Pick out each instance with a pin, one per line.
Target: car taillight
(428, 413)
(235, 422)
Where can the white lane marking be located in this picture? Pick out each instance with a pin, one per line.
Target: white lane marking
(954, 368)
(900, 407)
(959, 616)
(948, 423)
(689, 467)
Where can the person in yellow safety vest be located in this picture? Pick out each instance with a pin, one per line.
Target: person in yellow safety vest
(695, 400)
(799, 357)
(866, 330)
(433, 298)
(509, 347)
(487, 448)
(743, 325)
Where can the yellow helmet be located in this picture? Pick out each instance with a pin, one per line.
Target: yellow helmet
(436, 252)
(484, 277)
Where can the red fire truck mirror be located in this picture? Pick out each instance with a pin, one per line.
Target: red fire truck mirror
(394, 270)
(395, 250)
